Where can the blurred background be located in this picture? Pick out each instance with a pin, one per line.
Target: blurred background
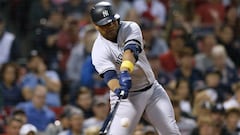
(49, 86)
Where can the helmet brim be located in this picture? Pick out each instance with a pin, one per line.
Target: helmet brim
(107, 20)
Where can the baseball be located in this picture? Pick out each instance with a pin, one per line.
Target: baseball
(125, 122)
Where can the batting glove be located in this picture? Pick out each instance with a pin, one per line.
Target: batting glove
(121, 93)
(125, 84)
(125, 80)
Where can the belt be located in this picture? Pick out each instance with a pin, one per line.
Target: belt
(143, 89)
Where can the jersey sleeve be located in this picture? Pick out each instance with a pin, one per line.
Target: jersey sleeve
(134, 35)
(101, 58)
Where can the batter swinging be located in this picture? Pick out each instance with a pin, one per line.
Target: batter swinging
(119, 58)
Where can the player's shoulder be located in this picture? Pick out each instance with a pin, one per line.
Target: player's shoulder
(127, 24)
(98, 41)
(99, 46)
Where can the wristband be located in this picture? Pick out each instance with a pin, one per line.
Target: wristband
(127, 64)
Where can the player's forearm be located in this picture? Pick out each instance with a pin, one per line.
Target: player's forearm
(127, 56)
(113, 84)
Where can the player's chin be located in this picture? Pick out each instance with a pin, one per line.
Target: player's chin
(110, 35)
(111, 32)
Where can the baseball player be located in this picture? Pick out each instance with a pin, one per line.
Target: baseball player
(119, 58)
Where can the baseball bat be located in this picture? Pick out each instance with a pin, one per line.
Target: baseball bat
(107, 123)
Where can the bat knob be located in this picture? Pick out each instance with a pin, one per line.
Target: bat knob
(102, 133)
(122, 93)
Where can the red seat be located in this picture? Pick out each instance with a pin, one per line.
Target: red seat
(57, 110)
(101, 91)
(8, 110)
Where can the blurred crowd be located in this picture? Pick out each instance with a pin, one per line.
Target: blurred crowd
(48, 85)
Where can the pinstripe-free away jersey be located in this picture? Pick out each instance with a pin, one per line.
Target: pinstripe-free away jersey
(107, 55)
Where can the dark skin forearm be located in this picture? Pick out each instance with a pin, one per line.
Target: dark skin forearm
(114, 83)
(128, 55)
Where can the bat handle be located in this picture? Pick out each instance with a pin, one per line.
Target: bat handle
(122, 93)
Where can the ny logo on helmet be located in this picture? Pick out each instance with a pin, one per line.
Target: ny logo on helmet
(105, 13)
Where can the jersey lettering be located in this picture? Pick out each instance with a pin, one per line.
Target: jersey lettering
(119, 58)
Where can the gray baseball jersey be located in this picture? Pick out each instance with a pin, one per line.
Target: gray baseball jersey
(153, 104)
(107, 55)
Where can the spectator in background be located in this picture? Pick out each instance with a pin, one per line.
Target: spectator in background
(100, 109)
(39, 75)
(153, 10)
(58, 2)
(28, 129)
(75, 7)
(68, 38)
(160, 75)
(210, 14)
(87, 72)
(82, 73)
(1, 102)
(76, 119)
(74, 64)
(235, 2)
(226, 38)
(186, 68)
(217, 114)
(181, 10)
(20, 115)
(185, 125)
(204, 58)
(205, 126)
(202, 104)
(46, 36)
(201, 87)
(183, 94)
(228, 3)
(132, 15)
(215, 90)
(13, 126)
(59, 125)
(84, 101)
(153, 45)
(178, 14)
(9, 87)
(39, 12)
(228, 74)
(36, 110)
(170, 60)
(232, 119)
(234, 101)
(121, 7)
(89, 76)
(9, 47)
(232, 20)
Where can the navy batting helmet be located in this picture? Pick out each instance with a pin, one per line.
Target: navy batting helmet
(102, 13)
